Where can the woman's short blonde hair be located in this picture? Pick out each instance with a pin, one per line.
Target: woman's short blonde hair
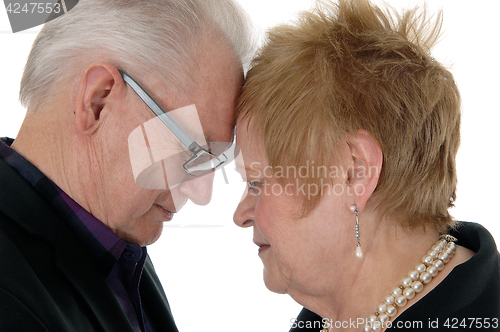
(349, 66)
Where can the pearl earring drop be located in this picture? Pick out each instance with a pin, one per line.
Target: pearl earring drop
(359, 252)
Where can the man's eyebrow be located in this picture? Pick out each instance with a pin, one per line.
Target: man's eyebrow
(210, 139)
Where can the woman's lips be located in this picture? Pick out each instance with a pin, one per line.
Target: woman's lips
(263, 247)
(167, 214)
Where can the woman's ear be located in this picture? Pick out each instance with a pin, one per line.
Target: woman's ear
(365, 166)
(95, 93)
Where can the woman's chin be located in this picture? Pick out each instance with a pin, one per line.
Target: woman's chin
(273, 283)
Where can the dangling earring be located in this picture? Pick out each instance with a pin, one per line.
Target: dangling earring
(359, 252)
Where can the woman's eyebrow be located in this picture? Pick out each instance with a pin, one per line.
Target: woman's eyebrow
(246, 169)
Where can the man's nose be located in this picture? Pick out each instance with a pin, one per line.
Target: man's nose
(199, 190)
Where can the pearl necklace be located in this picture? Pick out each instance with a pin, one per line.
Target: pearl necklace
(433, 262)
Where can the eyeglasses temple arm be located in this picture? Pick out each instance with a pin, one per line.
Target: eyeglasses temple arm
(164, 117)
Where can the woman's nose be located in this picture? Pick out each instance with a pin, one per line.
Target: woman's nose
(245, 212)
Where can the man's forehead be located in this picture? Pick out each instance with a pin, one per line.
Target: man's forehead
(218, 87)
(218, 128)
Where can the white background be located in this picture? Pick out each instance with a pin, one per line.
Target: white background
(209, 268)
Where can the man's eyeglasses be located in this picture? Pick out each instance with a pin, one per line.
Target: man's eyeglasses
(203, 160)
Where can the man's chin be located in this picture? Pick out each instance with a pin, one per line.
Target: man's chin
(144, 239)
(153, 238)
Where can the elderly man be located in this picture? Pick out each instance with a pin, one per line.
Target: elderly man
(74, 222)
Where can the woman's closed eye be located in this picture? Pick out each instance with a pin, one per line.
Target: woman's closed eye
(254, 186)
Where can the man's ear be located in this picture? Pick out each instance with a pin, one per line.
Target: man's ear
(99, 85)
(365, 167)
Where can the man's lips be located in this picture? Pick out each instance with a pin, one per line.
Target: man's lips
(167, 214)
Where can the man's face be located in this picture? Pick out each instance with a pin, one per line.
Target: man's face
(137, 214)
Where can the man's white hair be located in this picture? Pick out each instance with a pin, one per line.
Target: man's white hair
(140, 37)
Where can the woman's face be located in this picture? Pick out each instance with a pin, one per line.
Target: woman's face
(298, 253)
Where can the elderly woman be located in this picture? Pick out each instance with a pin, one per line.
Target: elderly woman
(349, 130)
